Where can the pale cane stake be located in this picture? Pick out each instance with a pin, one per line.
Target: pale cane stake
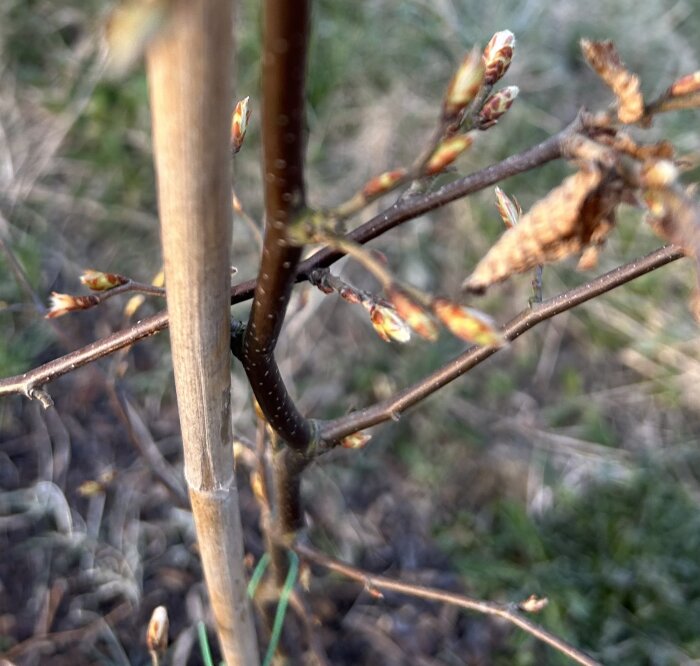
(189, 73)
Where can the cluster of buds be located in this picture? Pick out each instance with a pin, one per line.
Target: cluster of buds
(239, 124)
(384, 318)
(474, 79)
(407, 310)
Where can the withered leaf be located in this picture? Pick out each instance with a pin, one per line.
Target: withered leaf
(577, 214)
(605, 60)
(675, 217)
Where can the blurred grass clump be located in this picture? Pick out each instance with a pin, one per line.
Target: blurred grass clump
(617, 562)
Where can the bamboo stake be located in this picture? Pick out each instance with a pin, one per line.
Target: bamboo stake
(190, 73)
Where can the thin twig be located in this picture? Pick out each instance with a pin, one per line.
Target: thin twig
(504, 611)
(544, 152)
(97, 298)
(413, 207)
(335, 430)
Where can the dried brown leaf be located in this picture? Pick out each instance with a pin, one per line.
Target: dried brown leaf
(605, 60)
(575, 215)
(675, 217)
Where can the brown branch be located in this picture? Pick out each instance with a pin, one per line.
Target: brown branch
(504, 611)
(412, 207)
(285, 44)
(333, 431)
(30, 381)
(544, 152)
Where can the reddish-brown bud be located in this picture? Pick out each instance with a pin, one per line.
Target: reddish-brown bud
(99, 281)
(383, 183)
(447, 152)
(467, 323)
(496, 105)
(388, 324)
(465, 84)
(415, 316)
(498, 55)
(60, 304)
(239, 124)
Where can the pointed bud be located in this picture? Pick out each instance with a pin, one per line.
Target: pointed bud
(99, 281)
(358, 440)
(383, 183)
(497, 56)
(508, 209)
(239, 124)
(415, 316)
(496, 105)
(373, 591)
(157, 633)
(465, 84)
(468, 324)
(447, 152)
(388, 324)
(533, 604)
(686, 85)
(60, 304)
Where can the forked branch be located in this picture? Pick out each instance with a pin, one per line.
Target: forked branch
(544, 152)
(285, 43)
(335, 430)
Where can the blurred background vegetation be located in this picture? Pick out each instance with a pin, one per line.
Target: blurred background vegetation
(566, 466)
